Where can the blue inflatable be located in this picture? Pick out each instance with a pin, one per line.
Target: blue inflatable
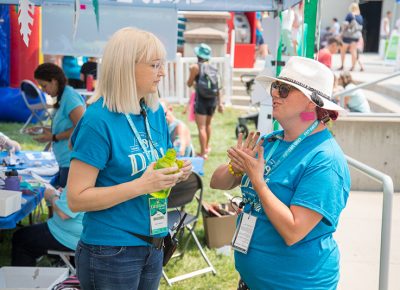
(12, 106)
(4, 45)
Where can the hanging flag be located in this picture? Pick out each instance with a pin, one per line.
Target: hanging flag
(96, 11)
(77, 11)
(25, 18)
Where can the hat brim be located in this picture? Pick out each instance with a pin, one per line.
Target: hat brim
(266, 81)
(199, 54)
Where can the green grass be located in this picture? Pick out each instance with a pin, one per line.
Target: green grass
(223, 136)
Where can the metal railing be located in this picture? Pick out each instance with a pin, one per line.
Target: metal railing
(388, 191)
(343, 93)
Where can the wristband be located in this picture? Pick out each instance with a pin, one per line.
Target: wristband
(231, 171)
(54, 139)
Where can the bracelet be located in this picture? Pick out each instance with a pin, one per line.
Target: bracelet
(231, 171)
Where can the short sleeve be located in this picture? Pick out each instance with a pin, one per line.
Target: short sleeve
(90, 144)
(349, 17)
(62, 204)
(322, 189)
(72, 102)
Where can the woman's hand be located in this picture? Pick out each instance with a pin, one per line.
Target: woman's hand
(248, 146)
(245, 158)
(154, 180)
(47, 136)
(186, 170)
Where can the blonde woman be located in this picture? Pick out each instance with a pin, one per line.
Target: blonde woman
(352, 31)
(112, 169)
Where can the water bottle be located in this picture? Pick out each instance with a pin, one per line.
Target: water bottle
(12, 181)
(89, 83)
(168, 160)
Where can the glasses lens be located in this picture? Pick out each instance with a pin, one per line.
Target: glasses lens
(284, 90)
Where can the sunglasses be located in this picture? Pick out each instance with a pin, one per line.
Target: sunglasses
(283, 89)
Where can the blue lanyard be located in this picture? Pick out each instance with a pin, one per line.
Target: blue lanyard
(151, 157)
(303, 136)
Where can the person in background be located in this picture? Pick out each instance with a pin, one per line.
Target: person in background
(261, 46)
(351, 33)
(115, 147)
(360, 50)
(8, 144)
(335, 28)
(204, 107)
(60, 233)
(179, 132)
(325, 55)
(295, 184)
(71, 68)
(69, 109)
(384, 32)
(89, 68)
(355, 101)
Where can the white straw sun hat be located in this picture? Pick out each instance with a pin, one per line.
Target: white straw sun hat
(311, 77)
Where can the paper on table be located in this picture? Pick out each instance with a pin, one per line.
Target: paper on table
(40, 156)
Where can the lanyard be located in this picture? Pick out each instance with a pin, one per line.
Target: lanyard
(303, 136)
(141, 142)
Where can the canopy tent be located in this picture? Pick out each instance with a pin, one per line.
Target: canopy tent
(187, 5)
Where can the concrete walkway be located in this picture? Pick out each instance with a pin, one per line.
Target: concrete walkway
(358, 237)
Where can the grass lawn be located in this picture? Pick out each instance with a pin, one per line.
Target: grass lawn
(223, 136)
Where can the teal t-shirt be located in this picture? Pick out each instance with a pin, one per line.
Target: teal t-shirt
(61, 122)
(68, 231)
(357, 102)
(105, 140)
(316, 176)
(175, 139)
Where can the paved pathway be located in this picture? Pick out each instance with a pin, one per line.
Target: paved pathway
(358, 237)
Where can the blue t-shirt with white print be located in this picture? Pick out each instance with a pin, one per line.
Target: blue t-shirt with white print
(316, 176)
(105, 140)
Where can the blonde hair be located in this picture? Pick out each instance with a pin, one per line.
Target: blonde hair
(354, 8)
(116, 82)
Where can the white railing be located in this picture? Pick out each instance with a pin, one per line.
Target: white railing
(173, 86)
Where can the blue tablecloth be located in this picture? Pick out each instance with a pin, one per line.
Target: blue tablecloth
(32, 201)
(24, 162)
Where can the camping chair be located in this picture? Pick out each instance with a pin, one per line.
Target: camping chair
(66, 257)
(36, 103)
(183, 194)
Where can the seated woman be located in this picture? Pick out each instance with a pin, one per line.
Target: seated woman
(354, 101)
(8, 144)
(178, 132)
(70, 108)
(60, 233)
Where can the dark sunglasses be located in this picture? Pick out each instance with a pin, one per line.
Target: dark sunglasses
(283, 89)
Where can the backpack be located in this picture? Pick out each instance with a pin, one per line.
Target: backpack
(353, 29)
(208, 82)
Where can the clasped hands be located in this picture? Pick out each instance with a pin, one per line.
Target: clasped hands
(248, 156)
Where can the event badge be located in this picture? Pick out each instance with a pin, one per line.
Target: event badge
(244, 232)
(158, 215)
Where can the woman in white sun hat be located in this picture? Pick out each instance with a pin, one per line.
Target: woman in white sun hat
(294, 183)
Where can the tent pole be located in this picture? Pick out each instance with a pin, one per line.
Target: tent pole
(310, 18)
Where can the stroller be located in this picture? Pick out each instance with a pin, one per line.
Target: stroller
(241, 127)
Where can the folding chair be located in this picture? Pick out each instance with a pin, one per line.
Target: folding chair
(65, 256)
(36, 103)
(183, 194)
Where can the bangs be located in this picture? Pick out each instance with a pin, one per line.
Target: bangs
(153, 49)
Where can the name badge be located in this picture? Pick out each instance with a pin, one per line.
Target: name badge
(244, 232)
(158, 216)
